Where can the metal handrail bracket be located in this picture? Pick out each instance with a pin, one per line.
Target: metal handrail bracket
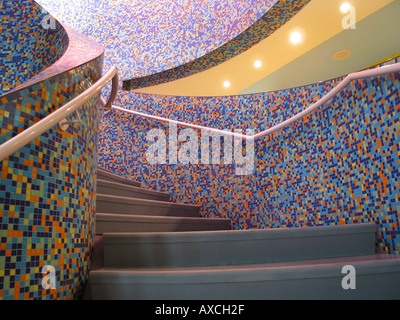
(34, 131)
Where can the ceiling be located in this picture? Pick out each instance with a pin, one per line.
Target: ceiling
(286, 65)
(144, 37)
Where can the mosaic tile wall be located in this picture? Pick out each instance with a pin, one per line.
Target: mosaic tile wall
(338, 165)
(81, 49)
(29, 42)
(156, 42)
(47, 189)
(143, 37)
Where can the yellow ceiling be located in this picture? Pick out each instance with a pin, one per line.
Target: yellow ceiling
(319, 21)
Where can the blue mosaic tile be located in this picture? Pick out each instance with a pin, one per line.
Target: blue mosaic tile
(47, 190)
(157, 43)
(28, 46)
(159, 35)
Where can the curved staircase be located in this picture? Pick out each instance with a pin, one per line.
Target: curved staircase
(150, 248)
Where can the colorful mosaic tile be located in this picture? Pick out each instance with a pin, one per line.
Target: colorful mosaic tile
(338, 165)
(28, 46)
(145, 37)
(279, 13)
(81, 49)
(47, 190)
(155, 42)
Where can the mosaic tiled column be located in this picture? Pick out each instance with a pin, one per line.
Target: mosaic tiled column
(47, 191)
(30, 42)
(47, 188)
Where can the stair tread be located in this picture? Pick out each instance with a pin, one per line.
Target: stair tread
(143, 218)
(377, 277)
(237, 235)
(147, 202)
(111, 216)
(118, 185)
(390, 261)
(120, 223)
(235, 246)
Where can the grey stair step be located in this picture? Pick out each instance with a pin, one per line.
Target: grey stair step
(376, 277)
(123, 190)
(105, 175)
(112, 223)
(237, 246)
(134, 206)
(98, 259)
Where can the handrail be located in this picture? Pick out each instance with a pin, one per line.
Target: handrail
(380, 71)
(339, 88)
(34, 131)
(233, 134)
(113, 94)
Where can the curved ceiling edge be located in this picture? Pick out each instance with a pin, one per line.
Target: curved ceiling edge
(80, 50)
(274, 18)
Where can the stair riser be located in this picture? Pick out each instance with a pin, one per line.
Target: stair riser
(140, 209)
(238, 252)
(309, 284)
(111, 227)
(104, 189)
(115, 178)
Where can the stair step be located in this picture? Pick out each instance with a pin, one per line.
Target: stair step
(236, 246)
(126, 205)
(106, 175)
(123, 190)
(377, 277)
(112, 223)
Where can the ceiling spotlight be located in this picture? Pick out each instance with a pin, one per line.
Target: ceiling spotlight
(345, 7)
(227, 84)
(296, 37)
(257, 64)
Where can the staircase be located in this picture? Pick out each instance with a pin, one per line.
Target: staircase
(150, 248)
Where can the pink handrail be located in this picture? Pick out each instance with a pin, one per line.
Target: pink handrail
(394, 68)
(384, 70)
(21, 139)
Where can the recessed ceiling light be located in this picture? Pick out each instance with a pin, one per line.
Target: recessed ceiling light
(345, 7)
(257, 64)
(341, 55)
(227, 84)
(296, 37)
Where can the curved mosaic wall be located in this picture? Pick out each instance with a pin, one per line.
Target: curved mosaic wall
(145, 37)
(338, 165)
(47, 189)
(30, 42)
(152, 42)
